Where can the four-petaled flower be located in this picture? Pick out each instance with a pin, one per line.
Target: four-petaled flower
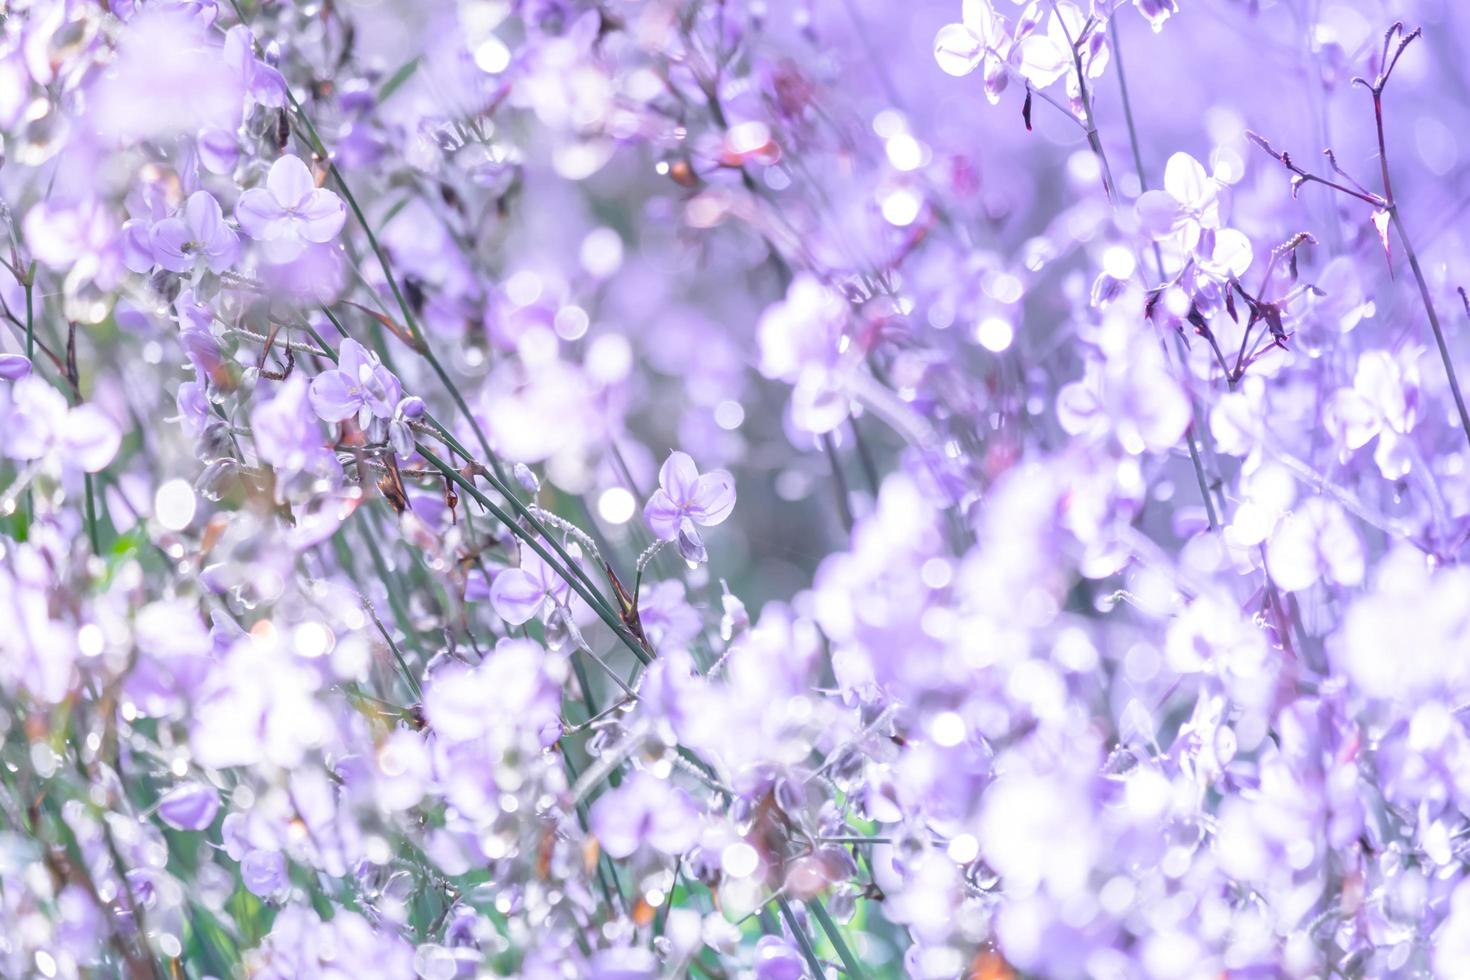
(1070, 37)
(37, 424)
(290, 211)
(980, 37)
(519, 595)
(359, 385)
(1188, 205)
(199, 230)
(685, 498)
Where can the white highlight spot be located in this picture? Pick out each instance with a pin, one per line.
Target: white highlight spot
(947, 729)
(492, 56)
(739, 860)
(616, 505)
(995, 334)
(174, 504)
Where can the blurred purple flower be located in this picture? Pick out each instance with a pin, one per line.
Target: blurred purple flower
(189, 806)
(286, 434)
(36, 423)
(777, 959)
(645, 811)
(13, 367)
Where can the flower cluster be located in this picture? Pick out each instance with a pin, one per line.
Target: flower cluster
(659, 488)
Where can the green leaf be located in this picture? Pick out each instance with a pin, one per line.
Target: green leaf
(396, 80)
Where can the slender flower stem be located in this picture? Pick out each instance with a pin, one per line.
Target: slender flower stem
(1392, 207)
(1132, 131)
(570, 571)
(1434, 324)
(844, 507)
(808, 951)
(408, 675)
(420, 343)
(1189, 437)
(29, 283)
(534, 543)
(1094, 139)
(834, 936)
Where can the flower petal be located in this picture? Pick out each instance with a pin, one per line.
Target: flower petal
(334, 397)
(259, 214)
(678, 476)
(290, 182)
(322, 216)
(714, 498)
(958, 50)
(90, 438)
(1043, 61)
(516, 597)
(167, 241)
(662, 516)
(191, 806)
(202, 215)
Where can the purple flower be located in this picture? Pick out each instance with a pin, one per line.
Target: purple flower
(624, 963)
(645, 812)
(360, 385)
(199, 231)
(286, 435)
(1134, 400)
(685, 498)
(190, 806)
(1315, 541)
(521, 594)
(37, 424)
(262, 84)
(290, 211)
(1157, 11)
(264, 872)
(13, 367)
(777, 959)
(666, 616)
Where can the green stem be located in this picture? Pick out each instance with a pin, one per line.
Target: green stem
(421, 345)
(30, 285)
(808, 951)
(533, 541)
(834, 936)
(94, 537)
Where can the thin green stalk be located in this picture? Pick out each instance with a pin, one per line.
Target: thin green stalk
(399, 613)
(587, 590)
(834, 936)
(412, 681)
(599, 602)
(421, 344)
(532, 540)
(94, 537)
(808, 951)
(30, 285)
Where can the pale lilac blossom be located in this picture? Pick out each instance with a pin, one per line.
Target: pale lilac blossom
(686, 498)
(290, 212)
